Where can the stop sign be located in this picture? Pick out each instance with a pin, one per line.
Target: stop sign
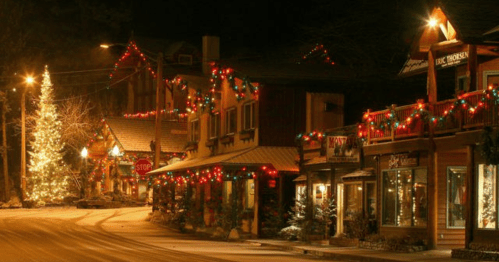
(142, 166)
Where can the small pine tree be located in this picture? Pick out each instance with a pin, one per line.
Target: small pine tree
(49, 178)
(297, 220)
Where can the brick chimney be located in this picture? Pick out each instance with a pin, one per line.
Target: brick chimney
(211, 52)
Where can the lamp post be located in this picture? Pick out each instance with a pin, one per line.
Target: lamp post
(115, 153)
(84, 154)
(29, 81)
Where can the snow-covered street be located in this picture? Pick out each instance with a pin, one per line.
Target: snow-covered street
(70, 234)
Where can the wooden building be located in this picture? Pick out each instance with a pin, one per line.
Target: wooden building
(132, 138)
(242, 125)
(434, 179)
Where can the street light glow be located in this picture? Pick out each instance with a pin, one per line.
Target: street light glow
(104, 46)
(84, 152)
(29, 80)
(116, 150)
(432, 22)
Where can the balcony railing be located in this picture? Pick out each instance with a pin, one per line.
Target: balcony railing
(473, 110)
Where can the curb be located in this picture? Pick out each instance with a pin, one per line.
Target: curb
(327, 254)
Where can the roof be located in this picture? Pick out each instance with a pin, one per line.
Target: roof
(137, 134)
(316, 160)
(281, 158)
(471, 19)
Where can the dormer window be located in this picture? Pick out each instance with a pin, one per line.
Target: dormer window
(194, 130)
(230, 121)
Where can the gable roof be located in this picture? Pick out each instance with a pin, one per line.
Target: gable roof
(136, 134)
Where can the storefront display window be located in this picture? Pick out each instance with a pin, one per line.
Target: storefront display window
(353, 199)
(456, 197)
(371, 199)
(227, 195)
(250, 193)
(405, 197)
(487, 196)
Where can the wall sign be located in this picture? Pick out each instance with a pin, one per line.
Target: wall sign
(403, 160)
(342, 149)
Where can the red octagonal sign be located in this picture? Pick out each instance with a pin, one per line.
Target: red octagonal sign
(142, 166)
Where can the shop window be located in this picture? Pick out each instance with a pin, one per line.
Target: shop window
(194, 130)
(227, 195)
(250, 193)
(456, 197)
(405, 197)
(214, 130)
(248, 119)
(230, 121)
(301, 191)
(352, 199)
(320, 194)
(371, 200)
(487, 196)
(462, 82)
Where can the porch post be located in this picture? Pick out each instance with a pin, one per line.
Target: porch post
(309, 214)
(332, 183)
(432, 157)
(470, 196)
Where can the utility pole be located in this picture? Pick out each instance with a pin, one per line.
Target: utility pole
(5, 108)
(159, 87)
(23, 145)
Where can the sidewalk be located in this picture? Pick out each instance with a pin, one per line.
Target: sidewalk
(354, 253)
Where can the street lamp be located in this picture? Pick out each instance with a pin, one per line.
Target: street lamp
(115, 152)
(84, 154)
(29, 80)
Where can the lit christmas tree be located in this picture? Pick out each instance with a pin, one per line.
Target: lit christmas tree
(49, 177)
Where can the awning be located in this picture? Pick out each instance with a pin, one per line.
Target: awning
(316, 161)
(300, 178)
(359, 174)
(280, 158)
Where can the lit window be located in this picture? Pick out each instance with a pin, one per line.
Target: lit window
(227, 195)
(250, 193)
(487, 196)
(352, 199)
(405, 197)
(230, 121)
(456, 197)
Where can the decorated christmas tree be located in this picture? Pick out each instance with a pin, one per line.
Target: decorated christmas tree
(48, 179)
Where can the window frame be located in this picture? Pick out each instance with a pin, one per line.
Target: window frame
(356, 185)
(382, 211)
(214, 117)
(448, 186)
(228, 119)
(195, 134)
(252, 113)
(477, 200)
(485, 76)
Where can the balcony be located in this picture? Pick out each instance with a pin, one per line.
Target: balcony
(473, 110)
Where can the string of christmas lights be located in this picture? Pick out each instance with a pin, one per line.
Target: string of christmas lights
(322, 52)
(132, 48)
(421, 113)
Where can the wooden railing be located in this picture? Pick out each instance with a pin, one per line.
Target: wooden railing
(471, 111)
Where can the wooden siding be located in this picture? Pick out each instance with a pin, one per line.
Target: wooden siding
(447, 237)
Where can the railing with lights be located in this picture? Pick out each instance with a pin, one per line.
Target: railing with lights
(472, 110)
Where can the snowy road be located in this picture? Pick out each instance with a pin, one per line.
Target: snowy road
(69, 234)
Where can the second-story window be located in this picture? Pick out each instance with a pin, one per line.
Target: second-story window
(195, 130)
(214, 125)
(248, 119)
(230, 121)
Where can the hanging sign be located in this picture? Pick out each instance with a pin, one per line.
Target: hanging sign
(142, 166)
(342, 149)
